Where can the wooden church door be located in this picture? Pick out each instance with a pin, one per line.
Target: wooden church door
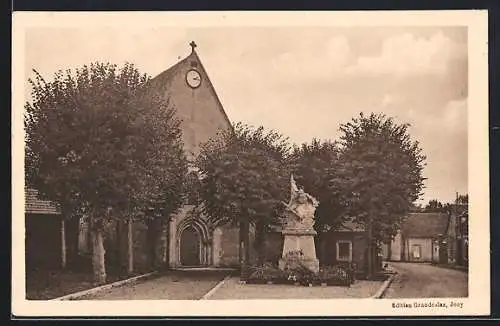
(190, 247)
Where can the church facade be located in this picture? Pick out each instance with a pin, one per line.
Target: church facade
(192, 241)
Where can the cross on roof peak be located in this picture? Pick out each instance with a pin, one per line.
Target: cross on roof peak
(193, 45)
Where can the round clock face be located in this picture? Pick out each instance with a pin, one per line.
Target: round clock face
(193, 78)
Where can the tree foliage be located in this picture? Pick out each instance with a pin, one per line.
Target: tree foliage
(95, 140)
(381, 172)
(435, 206)
(245, 176)
(314, 164)
(462, 199)
(98, 143)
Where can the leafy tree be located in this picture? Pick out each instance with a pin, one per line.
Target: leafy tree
(99, 144)
(245, 178)
(380, 174)
(314, 164)
(434, 206)
(462, 199)
(416, 208)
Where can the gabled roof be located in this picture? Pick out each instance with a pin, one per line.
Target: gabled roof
(350, 226)
(424, 225)
(165, 77)
(34, 205)
(201, 112)
(347, 226)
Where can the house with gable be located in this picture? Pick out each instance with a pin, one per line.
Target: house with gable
(420, 239)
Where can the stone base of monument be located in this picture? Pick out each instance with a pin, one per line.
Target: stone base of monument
(299, 240)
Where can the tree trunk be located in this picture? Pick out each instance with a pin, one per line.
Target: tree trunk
(63, 243)
(244, 249)
(98, 251)
(389, 250)
(119, 246)
(130, 247)
(369, 274)
(260, 241)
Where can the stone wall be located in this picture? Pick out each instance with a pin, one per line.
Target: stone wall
(142, 256)
(43, 241)
(229, 249)
(116, 246)
(273, 246)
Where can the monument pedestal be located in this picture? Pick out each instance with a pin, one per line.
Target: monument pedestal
(303, 240)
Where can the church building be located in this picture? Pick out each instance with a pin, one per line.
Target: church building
(192, 241)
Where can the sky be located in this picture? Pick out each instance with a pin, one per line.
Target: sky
(303, 81)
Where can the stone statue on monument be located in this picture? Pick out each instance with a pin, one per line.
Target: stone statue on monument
(302, 206)
(298, 228)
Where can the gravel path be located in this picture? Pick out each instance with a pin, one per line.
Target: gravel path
(174, 285)
(427, 281)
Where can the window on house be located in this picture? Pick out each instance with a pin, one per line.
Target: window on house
(344, 250)
(416, 251)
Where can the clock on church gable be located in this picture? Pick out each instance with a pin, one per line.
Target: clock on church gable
(193, 78)
(188, 88)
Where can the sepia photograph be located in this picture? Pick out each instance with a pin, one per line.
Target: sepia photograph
(182, 163)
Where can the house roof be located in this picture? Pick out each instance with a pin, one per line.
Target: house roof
(34, 205)
(345, 227)
(350, 226)
(424, 225)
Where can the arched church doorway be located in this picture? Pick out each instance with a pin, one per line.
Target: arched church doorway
(190, 247)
